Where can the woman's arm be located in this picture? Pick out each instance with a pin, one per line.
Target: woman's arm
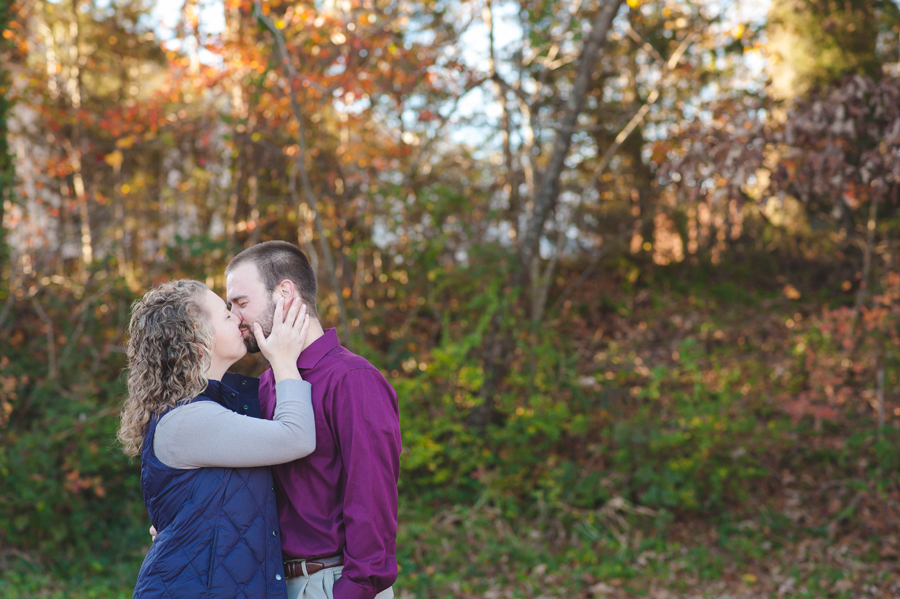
(205, 434)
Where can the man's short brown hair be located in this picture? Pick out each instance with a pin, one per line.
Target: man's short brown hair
(280, 260)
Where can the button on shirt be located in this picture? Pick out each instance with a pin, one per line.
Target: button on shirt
(342, 498)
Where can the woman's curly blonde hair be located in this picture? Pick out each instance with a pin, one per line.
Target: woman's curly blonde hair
(169, 349)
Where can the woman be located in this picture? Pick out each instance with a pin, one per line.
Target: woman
(203, 463)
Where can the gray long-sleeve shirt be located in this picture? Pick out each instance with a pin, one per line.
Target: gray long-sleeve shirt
(206, 434)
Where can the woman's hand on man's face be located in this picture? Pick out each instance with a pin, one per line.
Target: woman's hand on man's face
(283, 345)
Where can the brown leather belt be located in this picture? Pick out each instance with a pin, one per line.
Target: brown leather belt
(294, 568)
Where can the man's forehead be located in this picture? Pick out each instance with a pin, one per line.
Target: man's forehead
(242, 280)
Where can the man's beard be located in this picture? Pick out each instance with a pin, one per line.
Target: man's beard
(265, 322)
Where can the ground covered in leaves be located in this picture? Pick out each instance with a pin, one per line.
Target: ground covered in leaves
(811, 510)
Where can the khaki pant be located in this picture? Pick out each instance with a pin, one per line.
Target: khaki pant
(320, 585)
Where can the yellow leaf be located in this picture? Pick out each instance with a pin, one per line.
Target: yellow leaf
(749, 578)
(114, 159)
(125, 142)
(634, 3)
(256, 137)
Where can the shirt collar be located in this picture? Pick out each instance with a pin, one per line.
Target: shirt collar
(318, 349)
(213, 390)
(216, 390)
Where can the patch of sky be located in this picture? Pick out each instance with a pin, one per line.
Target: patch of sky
(166, 15)
(353, 106)
(474, 52)
(336, 68)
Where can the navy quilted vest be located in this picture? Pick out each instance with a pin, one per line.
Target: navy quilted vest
(218, 527)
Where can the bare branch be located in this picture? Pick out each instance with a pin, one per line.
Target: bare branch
(82, 312)
(549, 189)
(541, 282)
(300, 161)
(643, 44)
(521, 95)
(504, 118)
(529, 130)
(561, 62)
(550, 60)
(423, 154)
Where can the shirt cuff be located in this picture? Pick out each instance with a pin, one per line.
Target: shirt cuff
(344, 588)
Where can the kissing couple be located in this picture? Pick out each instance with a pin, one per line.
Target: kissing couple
(282, 486)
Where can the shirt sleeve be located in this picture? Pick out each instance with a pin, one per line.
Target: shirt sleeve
(206, 434)
(367, 423)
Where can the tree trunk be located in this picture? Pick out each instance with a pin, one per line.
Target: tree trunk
(548, 192)
(499, 342)
(863, 293)
(7, 171)
(73, 145)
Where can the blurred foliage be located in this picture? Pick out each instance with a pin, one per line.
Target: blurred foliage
(687, 389)
(816, 43)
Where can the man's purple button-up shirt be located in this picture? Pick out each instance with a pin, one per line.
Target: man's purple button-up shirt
(342, 498)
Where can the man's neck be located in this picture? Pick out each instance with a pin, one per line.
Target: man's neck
(315, 332)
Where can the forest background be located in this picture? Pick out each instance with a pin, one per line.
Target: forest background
(630, 266)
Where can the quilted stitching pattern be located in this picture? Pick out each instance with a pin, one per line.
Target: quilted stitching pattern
(216, 532)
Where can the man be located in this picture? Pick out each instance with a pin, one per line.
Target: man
(338, 506)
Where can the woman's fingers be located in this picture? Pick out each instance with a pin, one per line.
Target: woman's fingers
(279, 311)
(290, 325)
(301, 318)
(304, 326)
(298, 320)
(293, 312)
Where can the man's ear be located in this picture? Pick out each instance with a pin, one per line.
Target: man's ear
(285, 289)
